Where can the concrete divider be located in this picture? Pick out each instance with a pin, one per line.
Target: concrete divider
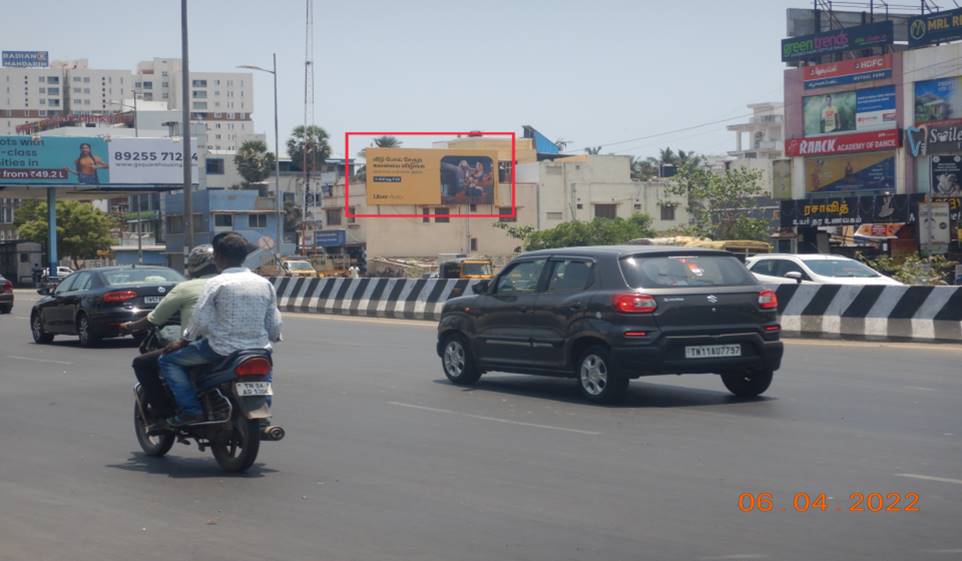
(906, 313)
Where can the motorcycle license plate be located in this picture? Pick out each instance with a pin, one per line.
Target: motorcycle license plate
(247, 389)
(152, 299)
(713, 351)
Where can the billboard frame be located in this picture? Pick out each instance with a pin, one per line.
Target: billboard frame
(347, 179)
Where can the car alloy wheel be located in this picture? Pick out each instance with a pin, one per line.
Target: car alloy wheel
(454, 358)
(36, 329)
(457, 361)
(594, 374)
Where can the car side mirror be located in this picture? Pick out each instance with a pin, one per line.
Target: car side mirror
(481, 287)
(794, 275)
(45, 290)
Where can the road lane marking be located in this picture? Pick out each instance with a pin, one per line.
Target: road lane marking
(495, 419)
(38, 359)
(361, 319)
(929, 478)
(737, 556)
(945, 551)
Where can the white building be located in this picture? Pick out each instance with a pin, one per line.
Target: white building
(765, 130)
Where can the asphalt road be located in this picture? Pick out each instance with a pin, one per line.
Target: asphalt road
(386, 460)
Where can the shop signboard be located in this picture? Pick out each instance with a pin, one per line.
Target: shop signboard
(871, 171)
(805, 47)
(843, 143)
(845, 72)
(934, 138)
(330, 238)
(850, 111)
(946, 171)
(782, 179)
(938, 27)
(402, 176)
(847, 211)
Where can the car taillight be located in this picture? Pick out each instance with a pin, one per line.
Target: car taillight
(767, 300)
(634, 303)
(257, 366)
(7, 286)
(119, 296)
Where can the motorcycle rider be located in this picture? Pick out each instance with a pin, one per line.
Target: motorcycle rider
(180, 300)
(237, 310)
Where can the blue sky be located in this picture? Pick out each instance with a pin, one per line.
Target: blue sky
(592, 72)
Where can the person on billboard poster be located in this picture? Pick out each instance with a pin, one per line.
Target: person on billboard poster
(467, 180)
(86, 166)
(829, 116)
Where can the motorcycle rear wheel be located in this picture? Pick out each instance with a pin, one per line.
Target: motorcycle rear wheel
(236, 452)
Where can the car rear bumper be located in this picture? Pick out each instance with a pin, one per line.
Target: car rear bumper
(6, 298)
(107, 324)
(667, 355)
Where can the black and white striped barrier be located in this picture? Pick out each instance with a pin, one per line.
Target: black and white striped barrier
(910, 313)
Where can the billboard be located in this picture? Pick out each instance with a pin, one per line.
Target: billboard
(946, 173)
(847, 39)
(402, 176)
(782, 179)
(938, 100)
(938, 27)
(846, 211)
(845, 72)
(26, 59)
(843, 143)
(856, 110)
(934, 138)
(62, 160)
(854, 172)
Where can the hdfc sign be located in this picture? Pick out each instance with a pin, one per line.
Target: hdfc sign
(843, 143)
(848, 72)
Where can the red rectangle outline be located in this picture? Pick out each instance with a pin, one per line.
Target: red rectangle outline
(347, 180)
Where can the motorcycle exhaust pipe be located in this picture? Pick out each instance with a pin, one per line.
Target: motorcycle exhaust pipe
(273, 433)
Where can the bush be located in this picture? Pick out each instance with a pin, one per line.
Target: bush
(933, 270)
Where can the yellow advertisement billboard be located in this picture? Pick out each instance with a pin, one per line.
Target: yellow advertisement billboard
(851, 172)
(410, 176)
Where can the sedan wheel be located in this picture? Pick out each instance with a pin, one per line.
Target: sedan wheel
(598, 380)
(36, 329)
(457, 362)
(87, 338)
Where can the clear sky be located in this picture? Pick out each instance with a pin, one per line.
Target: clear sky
(590, 71)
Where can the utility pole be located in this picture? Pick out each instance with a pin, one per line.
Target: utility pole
(185, 131)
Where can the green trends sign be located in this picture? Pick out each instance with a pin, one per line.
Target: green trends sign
(807, 47)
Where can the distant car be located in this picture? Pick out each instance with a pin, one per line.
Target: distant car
(92, 303)
(6, 295)
(606, 315)
(770, 280)
(818, 269)
(63, 272)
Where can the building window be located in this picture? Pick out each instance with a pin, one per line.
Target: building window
(504, 172)
(555, 216)
(504, 213)
(474, 244)
(441, 210)
(86, 90)
(333, 216)
(163, 74)
(53, 79)
(175, 224)
(215, 166)
(42, 101)
(667, 212)
(257, 220)
(351, 220)
(86, 102)
(223, 221)
(148, 85)
(199, 94)
(165, 85)
(200, 105)
(76, 78)
(426, 215)
(137, 85)
(199, 83)
(42, 90)
(77, 90)
(606, 211)
(86, 79)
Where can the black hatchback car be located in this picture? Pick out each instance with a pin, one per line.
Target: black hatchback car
(605, 315)
(92, 303)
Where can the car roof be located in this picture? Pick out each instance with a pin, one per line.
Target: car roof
(120, 268)
(622, 250)
(811, 256)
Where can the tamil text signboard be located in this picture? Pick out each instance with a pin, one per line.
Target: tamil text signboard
(846, 211)
(401, 176)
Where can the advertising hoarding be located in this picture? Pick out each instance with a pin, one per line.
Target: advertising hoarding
(26, 59)
(330, 238)
(64, 160)
(402, 176)
(847, 39)
(846, 211)
(946, 171)
(843, 143)
(945, 136)
(938, 100)
(857, 110)
(782, 179)
(935, 232)
(938, 27)
(853, 172)
(845, 72)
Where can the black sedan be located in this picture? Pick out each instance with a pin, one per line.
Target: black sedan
(605, 315)
(6, 296)
(93, 303)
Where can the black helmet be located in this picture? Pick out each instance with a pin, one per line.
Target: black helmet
(200, 258)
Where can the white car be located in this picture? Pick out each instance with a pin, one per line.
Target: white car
(818, 269)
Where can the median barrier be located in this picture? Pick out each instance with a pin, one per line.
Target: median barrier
(892, 313)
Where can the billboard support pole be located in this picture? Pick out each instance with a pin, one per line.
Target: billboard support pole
(185, 132)
(52, 230)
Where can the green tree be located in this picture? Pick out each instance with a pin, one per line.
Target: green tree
(600, 231)
(254, 162)
(292, 216)
(387, 142)
(82, 229)
(718, 203)
(644, 169)
(311, 141)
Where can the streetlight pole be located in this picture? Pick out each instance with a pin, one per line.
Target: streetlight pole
(185, 125)
(279, 235)
(137, 197)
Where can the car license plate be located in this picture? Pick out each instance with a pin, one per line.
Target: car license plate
(152, 299)
(713, 351)
(247, 389)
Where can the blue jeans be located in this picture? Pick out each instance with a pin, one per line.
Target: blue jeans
(173, 369)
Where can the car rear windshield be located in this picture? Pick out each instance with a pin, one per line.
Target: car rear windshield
(299, 266)
(666, 271)
(127, 277)
(840, 268)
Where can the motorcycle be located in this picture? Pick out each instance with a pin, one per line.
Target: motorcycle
(236, 396)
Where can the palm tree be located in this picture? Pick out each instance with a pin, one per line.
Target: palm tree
(254, 162)
(387, 142)
(593, 150)
(309, 142)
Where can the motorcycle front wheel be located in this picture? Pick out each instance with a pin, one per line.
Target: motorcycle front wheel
(236, 450)
(153, 445)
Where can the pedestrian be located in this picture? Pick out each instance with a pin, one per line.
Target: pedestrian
(37, 272)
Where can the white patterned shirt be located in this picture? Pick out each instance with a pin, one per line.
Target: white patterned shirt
(237, 310)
